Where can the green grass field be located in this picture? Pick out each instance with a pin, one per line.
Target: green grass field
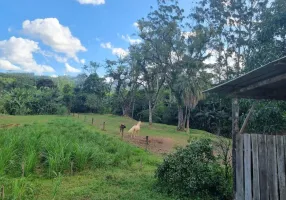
(158, 130)
(60, 157)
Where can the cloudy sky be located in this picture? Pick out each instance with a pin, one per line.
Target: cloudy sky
(56, 37)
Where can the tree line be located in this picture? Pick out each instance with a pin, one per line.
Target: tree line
(180, 54)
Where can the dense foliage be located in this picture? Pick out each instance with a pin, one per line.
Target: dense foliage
(194, 172)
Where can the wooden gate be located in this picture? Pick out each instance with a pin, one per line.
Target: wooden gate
(260, 167)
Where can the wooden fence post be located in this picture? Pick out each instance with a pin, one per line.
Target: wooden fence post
(78, 115)
(235, 131)
(23, 169)
(103, 126)
(73, 114)
(147, 143)
(92, 121)
(71, 167)
(3, 192)
(84, 118)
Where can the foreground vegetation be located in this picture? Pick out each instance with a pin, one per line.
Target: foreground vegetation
(194, 172)
(65, 159)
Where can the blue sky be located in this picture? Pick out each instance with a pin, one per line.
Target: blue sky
(56, 37)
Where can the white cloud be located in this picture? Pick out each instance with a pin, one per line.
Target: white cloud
(54, 76)
(93, 2)
(19, 51)
(108, 79)
(57, 57)
(188, 34)
(214, 55)
(106, 45)
(9, 29)
(120, 52)
(71, 69)
(136, 25)
(175, 58)
(60, 59)
(55, 35)
(82, 61)
(132, 41)
(6, 65)
(212, 59)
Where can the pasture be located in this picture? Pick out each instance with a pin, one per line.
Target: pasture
(163, 138)
(65, 157)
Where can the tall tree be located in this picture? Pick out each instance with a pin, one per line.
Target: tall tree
(152, 58)
(234, 25)
(124, 78)
(270, 36)
(68, 96)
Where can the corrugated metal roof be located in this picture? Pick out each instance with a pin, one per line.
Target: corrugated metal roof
(265, 72)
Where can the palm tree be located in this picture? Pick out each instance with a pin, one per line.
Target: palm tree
(192, 95)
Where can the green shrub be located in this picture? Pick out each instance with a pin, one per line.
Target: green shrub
(193, 172)
(62, 110)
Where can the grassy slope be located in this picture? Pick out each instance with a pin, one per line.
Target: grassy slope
(159, 130)
(107, 183)
(7, 119)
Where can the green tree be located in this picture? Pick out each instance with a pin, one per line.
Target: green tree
(233, 26)
(44, 82)
(68, 96)
(124, 79)
(160, 34)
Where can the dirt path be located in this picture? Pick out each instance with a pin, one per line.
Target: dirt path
(9, 125)
(158, 145)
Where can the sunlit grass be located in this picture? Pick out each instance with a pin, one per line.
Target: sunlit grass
(113, 122)
(65, 159)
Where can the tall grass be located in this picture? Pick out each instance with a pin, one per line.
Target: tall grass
(60, 146)
(16, 189)
(35, 154)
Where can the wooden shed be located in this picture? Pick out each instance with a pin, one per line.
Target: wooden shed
(258, 160)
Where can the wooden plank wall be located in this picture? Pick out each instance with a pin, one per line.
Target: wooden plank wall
(260, 167)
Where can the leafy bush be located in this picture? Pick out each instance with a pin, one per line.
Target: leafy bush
(22, 101)
(194, 172)
(62, 110)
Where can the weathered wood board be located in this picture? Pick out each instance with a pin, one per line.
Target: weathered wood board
(260, 167)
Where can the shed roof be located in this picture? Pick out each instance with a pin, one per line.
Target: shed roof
(266, 82)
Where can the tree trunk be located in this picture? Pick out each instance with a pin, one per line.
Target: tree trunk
(150, 113)
(219, 122)
(180, 126)
(133, 107)
(188, 125)
(185, 116)
(188, 120)
(235, 131)
(126, 110)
